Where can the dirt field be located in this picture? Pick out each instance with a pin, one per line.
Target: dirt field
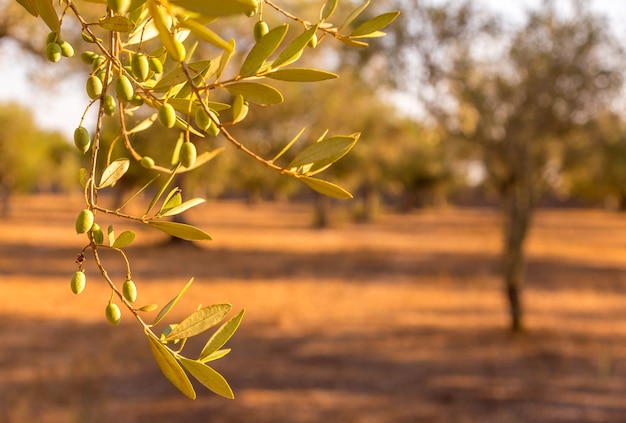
(399, 321)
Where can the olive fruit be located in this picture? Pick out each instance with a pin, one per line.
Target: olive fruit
(260, 29)
(82, 139)
(97, 234)
(187, 154)
(78, 282)
(202, 119)
(113, 314)
(124, 88)
(84, 221)
(109, 105)
(140, 65)
(66, 48)
(167, 115)
(147, 162)
(53, 52)
(94, 87)
(129, 290)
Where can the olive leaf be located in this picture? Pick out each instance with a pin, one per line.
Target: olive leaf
(46, 10)
(221, 336)
(255, 92)
(199, 321)
(294, 49)
(328, 9)
(117, 23)
(372, 27)
(326, 188)
(166, 309)
(205, 34)
(124, 239)
(323, 153)
(181, 230)
(354, 14)
(301, 75)
(208, 377)
(262, 50)
(114, 172)
(171, 369)
(212, 8)
(171, 211)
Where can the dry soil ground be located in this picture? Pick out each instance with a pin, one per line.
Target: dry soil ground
(399, 321)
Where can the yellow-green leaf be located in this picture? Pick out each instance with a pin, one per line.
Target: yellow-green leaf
(166, 309)
(324, 152)
(199, 321)
(328, 9)
(159, 17)
(221, 336)
(181, 230)
(114, 172)
(301, 75)
(208, 377)
(374, 25)
(326, 188)
(30, 6)
(124, 239)
(48, 14)
(294, 48)
(210, 8)
(182, 207)
(262, 50)
(255, 92)
(355, 13)
(205, 34)
(171, 369)
(117, 23)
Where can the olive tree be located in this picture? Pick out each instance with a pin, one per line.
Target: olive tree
(144, 60)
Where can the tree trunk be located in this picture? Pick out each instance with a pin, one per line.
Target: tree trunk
(321, 205)
(518, 207)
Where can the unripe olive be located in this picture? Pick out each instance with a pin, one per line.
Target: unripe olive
(113, 314)
(82, 139)
(109, 105)
(124, 88)
(94, 87)
(98, 62)
(97, 234)
(140, 65)
(187, 154)
(179, 52)
(167, 115)
(129, 290)
(78, 282)
(53, 52)
(260, 29)
(84, 221)
(88, 57)
(155, 65)
(213, 129)
(66, 48)
(52, 37)
(119, 6)
(202, 119)
(147, 162)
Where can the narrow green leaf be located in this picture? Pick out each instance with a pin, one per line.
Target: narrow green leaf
(328, 9)
(143, 125)
(177, 75)
(160, 22)
(262, 50)
(225, 59)
(221, 336)
(114, 172)
(160, 192)
(216, 355)
(255, 92)
(294, 48)
(117, 23)
(30, 6)
(183, 207)
(375, 24)
(199, 321)
(353, 43)
(173, 199)
(355, 13)
(111, 235)
(166, 309)
(205, 34)
(326, 188)
(301, 75)
(211, 8)
(325, 152)
(171, 369)
(124, 239)
(48, 14)
(288, 146)
(181, 230)
(208, 377)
